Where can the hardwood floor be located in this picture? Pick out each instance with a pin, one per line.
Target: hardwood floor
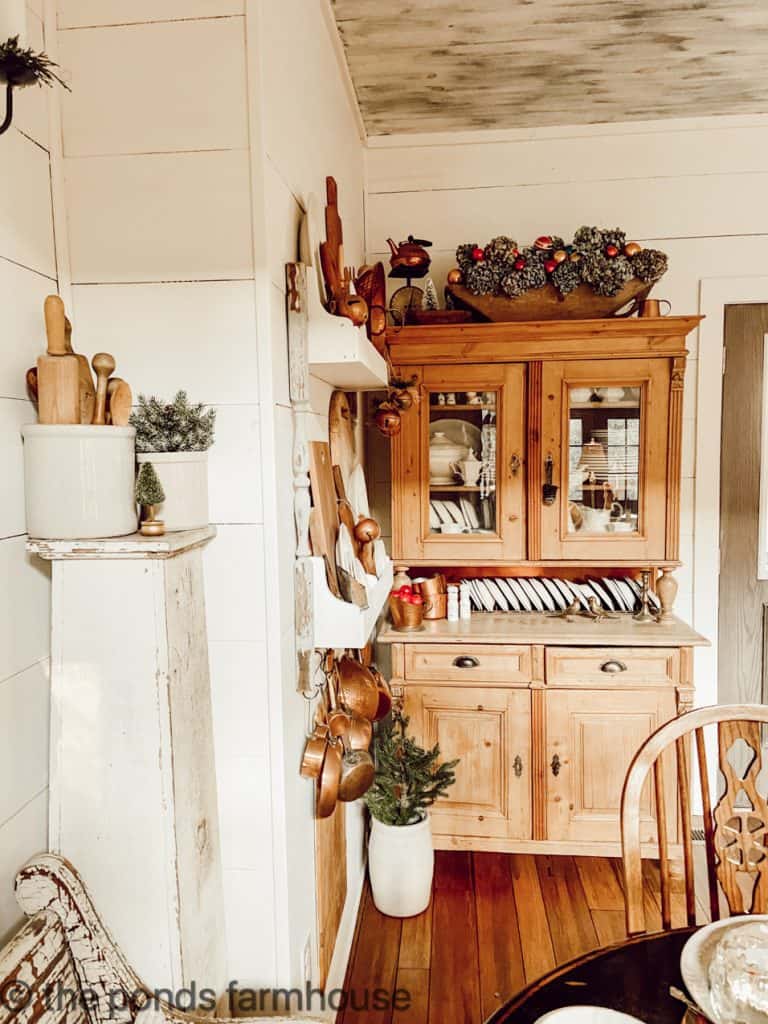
(497, 921)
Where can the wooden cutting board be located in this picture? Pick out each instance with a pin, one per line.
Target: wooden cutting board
(325, 509)
(341, 433)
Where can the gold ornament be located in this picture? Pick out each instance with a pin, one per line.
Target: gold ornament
(560, 255)
(455, 276)
(632, 249)
(575, 257)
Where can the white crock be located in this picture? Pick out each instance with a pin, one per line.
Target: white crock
(401, 863)
(79, 481)
(184, 476)
(442, 454)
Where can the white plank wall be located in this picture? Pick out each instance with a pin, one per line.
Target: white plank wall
(692, 188)
(27, 275)
(158, 202)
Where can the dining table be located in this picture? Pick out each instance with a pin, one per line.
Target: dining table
(633, 977)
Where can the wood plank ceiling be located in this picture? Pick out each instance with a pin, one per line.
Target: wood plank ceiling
(446, 65)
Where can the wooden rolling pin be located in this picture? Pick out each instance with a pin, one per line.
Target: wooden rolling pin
(103, 365)
(119, 400)
(58, 372)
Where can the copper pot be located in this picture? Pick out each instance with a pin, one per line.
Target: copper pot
(360, 733)
(409, 255)
(357, 772)
(328, 782)
(385, 695)
(357, 688)
(314, 752)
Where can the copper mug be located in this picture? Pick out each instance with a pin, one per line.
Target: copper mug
(652, 307)
(434, 592)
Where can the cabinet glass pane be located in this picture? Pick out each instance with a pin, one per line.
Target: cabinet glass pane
(603, 459)
(462, 462)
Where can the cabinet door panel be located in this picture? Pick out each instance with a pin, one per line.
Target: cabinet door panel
(489, 730)
(605, 427)
(594, 734)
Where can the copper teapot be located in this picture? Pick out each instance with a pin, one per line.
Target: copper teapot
(409, 258)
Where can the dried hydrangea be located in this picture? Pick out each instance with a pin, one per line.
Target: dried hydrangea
(501, 249)
(566, 276)
(533, 274)
(464, 256)
(649, 265)
(481, 278)
(512, 284)
(614, 236)
(588, 239)
(604, 275)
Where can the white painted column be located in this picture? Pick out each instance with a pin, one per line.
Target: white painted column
(133, 787)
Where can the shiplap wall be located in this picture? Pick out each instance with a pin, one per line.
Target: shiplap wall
(692, 188)
(158, 206)
(310, 131)
(27, 275)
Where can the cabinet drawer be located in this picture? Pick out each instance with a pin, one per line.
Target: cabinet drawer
(455, 663)
(612, 666)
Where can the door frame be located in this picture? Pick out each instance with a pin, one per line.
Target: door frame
(714, 295)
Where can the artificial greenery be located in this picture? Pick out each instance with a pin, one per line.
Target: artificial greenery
(176, 426)
(601, 258)
(149, 490)
(408, 778)
(20, 67)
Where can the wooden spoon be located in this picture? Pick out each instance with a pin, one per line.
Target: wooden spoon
(119, 401)
(104, 366)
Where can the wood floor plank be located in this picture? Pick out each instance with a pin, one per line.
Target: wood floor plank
(413, 987)
(416, 941)
(535, 938)
(610, 926)
(453, 869)
(454, 992)
(374, 965)
(570, 922)
(601, 886)
(502, 972)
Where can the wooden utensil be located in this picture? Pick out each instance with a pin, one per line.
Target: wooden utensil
(341, 438)
(325, 512)
(371, 284)
(58, 372)
(104, 365)
(328, 782)
(119, 401)
(366, 532)
(87, 390)
(31, 377)
(334, 232)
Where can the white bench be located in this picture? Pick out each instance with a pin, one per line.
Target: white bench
(64, 968)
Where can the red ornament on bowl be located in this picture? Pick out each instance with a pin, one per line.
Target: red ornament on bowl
(519, 264)
(543, 242)
(478, 254)
(549, 265)
(611, 250)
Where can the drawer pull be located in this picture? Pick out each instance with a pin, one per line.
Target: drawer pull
(517, 766)
(466, 661)
(613, 667)
(555, 765)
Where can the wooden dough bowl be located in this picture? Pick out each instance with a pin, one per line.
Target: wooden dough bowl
(546, 304)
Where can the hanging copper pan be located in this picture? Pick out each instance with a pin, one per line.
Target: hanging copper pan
(328, 782)
(314, 752)
(357, 689)
(385, 695)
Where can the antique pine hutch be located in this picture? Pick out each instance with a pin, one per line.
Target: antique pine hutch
(545, 713)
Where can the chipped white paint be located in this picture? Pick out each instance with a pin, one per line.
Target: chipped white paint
(133, 783)
(67, 942)
(479, 64)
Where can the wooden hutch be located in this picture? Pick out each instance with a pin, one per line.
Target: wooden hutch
(580, 427)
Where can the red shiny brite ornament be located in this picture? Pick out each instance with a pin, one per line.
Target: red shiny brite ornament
(519, 264)
(478, 254)
(549, 265)
(543, 242)
(611, 250)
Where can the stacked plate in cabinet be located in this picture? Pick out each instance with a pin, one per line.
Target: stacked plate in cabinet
(542, 594)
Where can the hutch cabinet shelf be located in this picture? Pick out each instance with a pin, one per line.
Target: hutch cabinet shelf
(336, 623)
(537, 449)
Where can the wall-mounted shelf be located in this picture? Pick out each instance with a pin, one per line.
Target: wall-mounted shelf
(337, 623)
(340, 353)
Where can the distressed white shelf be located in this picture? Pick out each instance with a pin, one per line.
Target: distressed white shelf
(337, 623)
(134, 545)
(340, 353)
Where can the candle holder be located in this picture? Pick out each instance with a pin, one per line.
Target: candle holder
(645, 614)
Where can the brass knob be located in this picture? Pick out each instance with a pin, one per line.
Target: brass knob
(555, 765)
(517, 766)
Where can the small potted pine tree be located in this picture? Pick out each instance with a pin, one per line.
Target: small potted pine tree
(149, 494)
(408, 780)
(175, 437)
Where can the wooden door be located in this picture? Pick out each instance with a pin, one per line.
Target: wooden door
(592, 736)
(489, 729)
(743, 619)
(605, 435)
(438, 516)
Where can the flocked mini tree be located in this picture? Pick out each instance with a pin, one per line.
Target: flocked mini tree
(149, 494)
(408, 778)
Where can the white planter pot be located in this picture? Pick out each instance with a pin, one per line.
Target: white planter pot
(78, 481)
(184, 476)
(401, 863)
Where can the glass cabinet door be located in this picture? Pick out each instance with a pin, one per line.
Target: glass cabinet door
(604, 441)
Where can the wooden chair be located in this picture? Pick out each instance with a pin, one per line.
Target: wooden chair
(734, 828)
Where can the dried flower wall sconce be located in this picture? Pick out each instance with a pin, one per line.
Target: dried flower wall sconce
(20, 66)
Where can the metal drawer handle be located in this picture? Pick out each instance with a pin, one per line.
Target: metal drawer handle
(517, 766)
(514, 464)
(555, 765)
(466, 661)
(613, 667)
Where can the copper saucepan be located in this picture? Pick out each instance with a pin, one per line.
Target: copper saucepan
(385, 695)
(357, 772)
(357, 689)
(328, 782)
(314, 752)
(360, 733)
